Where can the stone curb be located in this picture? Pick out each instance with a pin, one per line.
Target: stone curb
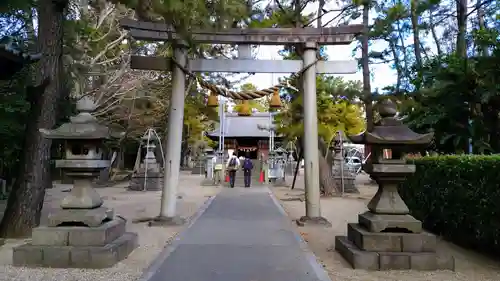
(310, 257)
(153, 268)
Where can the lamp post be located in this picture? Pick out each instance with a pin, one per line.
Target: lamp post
(222, 126)
(270, 131)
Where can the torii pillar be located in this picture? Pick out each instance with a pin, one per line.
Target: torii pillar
(173, 135)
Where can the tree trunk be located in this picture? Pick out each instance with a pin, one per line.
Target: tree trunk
(461, 50)
(321, 7)
(366, 68)
(416, 35)
(299, 159)
(120, 158)
(462, 28)
(483, 50)
(325, 160)
(434, 34)
(184, 152)
(402, 42)
(397, 64)
(326, 180)
(26, 201)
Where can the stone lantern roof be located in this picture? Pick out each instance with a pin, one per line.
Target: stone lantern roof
(150, 137)
(391, 131)
(83, 126)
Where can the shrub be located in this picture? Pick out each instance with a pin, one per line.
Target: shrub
(457, 197)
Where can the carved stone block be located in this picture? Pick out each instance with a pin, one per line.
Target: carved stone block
(380, 222)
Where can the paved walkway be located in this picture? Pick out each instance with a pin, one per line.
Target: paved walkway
(243, 235)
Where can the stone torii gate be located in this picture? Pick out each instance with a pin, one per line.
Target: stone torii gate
(309, 37)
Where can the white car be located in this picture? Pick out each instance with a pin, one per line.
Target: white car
(354, 163)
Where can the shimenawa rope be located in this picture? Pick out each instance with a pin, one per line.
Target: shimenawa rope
(241, 95)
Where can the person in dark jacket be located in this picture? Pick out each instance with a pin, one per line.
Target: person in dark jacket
(247, 171)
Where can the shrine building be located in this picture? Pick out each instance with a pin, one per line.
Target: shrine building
(243, 136)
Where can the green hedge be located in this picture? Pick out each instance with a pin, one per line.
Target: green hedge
(458, 197)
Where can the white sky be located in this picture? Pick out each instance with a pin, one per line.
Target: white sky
(382, 74)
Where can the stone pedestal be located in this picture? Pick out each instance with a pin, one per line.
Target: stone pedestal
(65, 179)
(387, 237)
(198, 169)
(290, 168)
(370, 250)
(150, 181)
(77, 246)
(279, 182)
(103, 179)
(343, 177)
(82, 234)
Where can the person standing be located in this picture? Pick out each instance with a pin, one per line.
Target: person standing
(232, 166)
(247, 171)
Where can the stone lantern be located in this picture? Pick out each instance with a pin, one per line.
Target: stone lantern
(271, 161)
(341, 172)
(290, 163)
(199, 161)
(148, 176)
(150, 146)
(209, 167)
(82, 233)
(279, 167)
(387, 237)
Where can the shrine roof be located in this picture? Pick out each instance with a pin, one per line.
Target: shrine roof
(12, 60)
(244, 126)
(8, 51)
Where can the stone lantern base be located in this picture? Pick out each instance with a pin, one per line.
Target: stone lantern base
(148, 177)
(82, 234)
(349, 182)
(290, 168)
(77, 246)
(280, 182)
(390, 242)
(150, 182)
(198, 168)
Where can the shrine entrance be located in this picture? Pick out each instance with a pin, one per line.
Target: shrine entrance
(248, 152)
(308, 39)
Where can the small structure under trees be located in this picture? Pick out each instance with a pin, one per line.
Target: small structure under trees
(13, 60)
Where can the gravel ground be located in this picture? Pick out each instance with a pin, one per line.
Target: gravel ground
(131, 205)
(470, 266)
